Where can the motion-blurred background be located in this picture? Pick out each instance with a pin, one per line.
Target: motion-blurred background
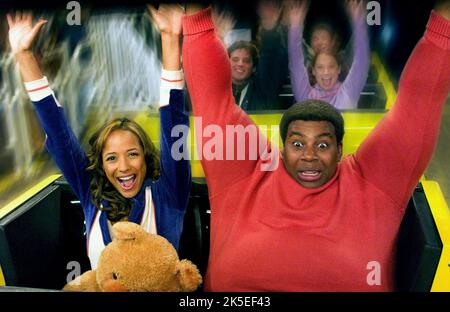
(110, 64)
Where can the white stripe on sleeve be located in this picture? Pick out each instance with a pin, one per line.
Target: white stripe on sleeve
(170, 80)
(38, 89)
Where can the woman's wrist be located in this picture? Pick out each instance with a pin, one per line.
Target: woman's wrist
(29, 67)
(171, 51)
(24, 55)
(171, 38)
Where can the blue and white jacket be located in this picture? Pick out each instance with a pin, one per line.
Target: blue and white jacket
(169, 194)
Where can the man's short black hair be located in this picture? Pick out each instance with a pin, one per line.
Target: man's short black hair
(246, 45)
(313, 110)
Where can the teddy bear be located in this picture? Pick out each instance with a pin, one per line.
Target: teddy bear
(138, 261)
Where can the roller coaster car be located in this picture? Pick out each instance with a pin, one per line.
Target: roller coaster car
(42, 235)
(42, 241)
(373, 95)
(420, 247)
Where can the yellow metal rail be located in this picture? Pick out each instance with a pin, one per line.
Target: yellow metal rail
(385, 80)
(441, 215)
(16, 202)
(358, 125)
(2, 278)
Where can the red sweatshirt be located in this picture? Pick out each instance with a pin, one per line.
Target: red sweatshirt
(268, 233)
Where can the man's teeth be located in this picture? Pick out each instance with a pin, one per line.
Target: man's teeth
(310, 173)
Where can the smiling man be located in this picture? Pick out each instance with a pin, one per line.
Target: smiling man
(250, 66)
(317, 221)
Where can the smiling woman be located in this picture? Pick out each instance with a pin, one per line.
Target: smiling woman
(325, 65)
(122, 176)
(124, 163)
(121, 157)
(326, 70)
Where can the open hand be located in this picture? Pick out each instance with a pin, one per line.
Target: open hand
(269, 12)
(22, 33)
(167, 17)
(355, 8)
(296, 10)
(442, 7)
(224, 22)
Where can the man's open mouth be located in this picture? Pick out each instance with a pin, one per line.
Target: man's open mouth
(309, 175)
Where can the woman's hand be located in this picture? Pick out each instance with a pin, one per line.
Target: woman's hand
(22, 33)
(167, 18)
(355, 8)
(296, 11)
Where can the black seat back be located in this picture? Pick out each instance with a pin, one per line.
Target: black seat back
(194, 241)
(419, 246)
(40, 238)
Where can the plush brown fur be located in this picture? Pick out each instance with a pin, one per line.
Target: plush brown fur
(138, 261)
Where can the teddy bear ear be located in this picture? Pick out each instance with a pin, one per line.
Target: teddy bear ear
(188, 275)
(127, 231)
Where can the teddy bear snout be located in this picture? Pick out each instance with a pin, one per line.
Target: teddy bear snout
(113, 285)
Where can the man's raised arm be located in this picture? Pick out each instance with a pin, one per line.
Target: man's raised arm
(208, 77)
(397, 152)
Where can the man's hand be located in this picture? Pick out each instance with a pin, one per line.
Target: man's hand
(224, 22)
(194, 8)
(443, 8)
(269, 13)
(167, 18)
(22, 33)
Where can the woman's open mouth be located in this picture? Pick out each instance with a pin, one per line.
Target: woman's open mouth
(327, 83)
(127, 182)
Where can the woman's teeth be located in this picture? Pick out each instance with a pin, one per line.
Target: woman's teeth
(123, 179)
(127, 182)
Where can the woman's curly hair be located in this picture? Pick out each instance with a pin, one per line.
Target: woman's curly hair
(101, 189)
